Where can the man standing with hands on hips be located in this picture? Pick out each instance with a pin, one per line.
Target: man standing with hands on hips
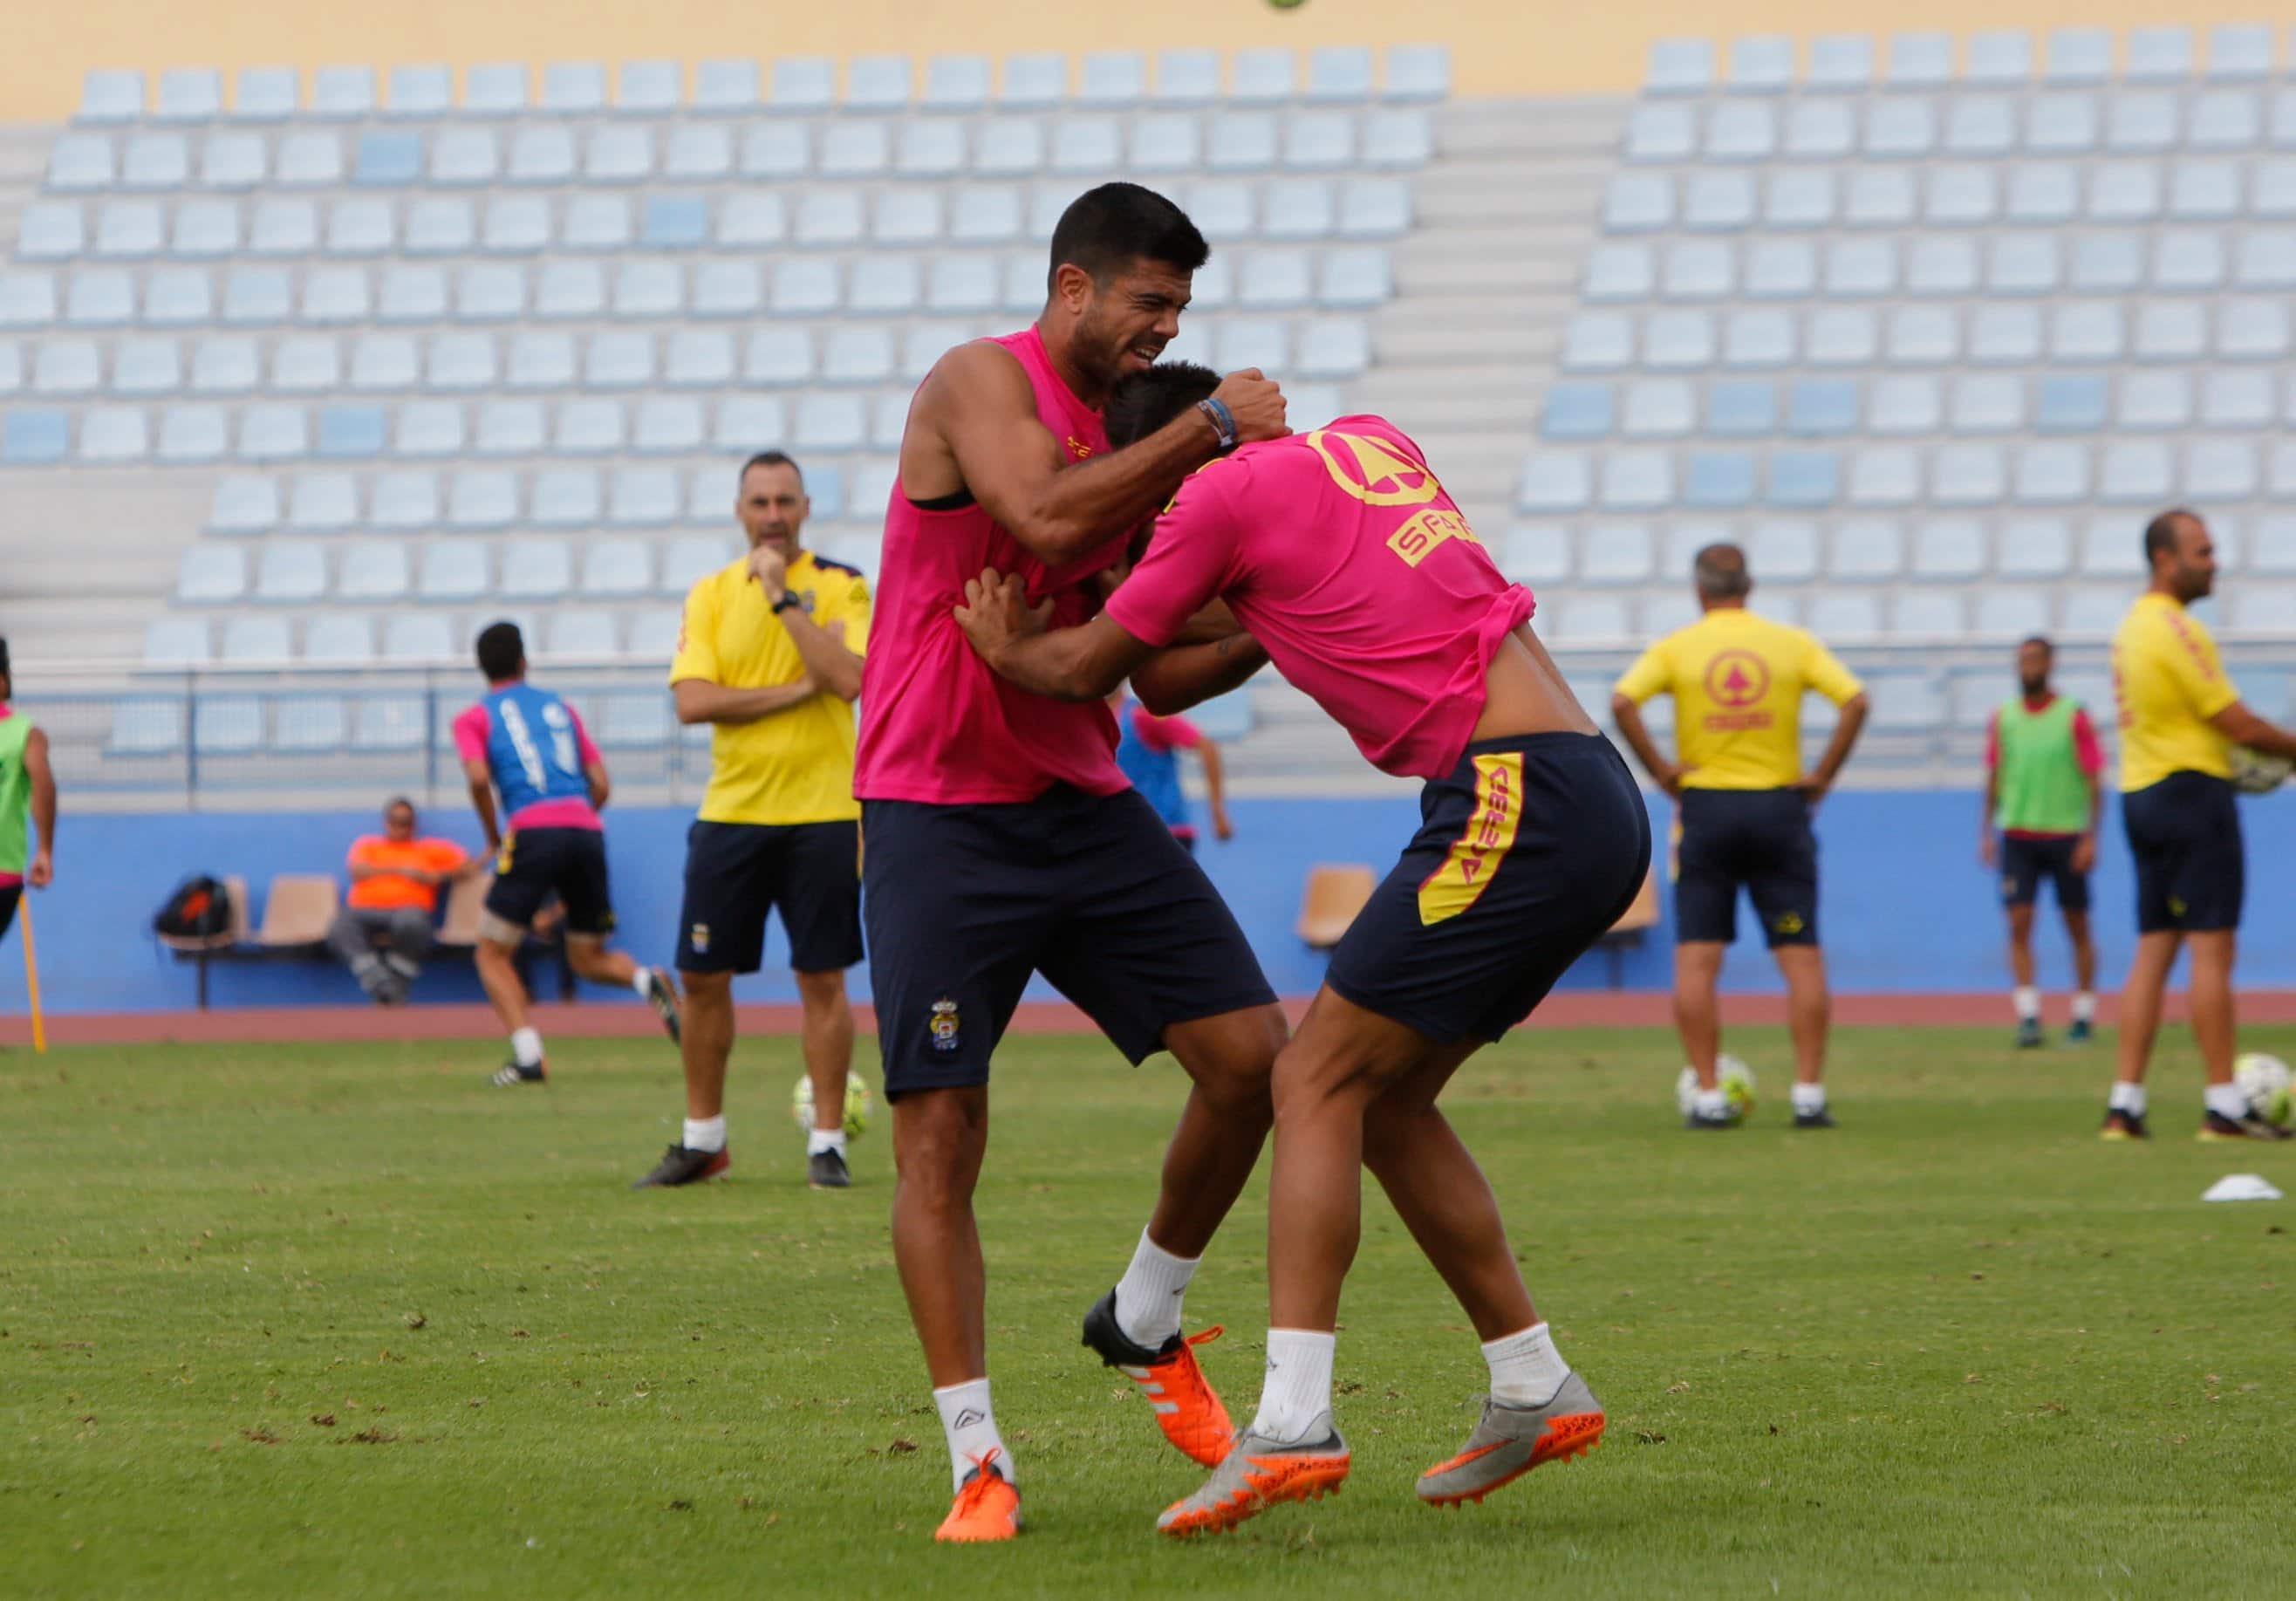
(770, 656)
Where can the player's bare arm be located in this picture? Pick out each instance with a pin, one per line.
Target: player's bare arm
(2241, 726)
(828, 664)
(707, 700)
(595, 773)
(1988, 851)
(1182, 676)
(1629, 716)
(974, 428)
(1820, 778)
(482, 800)
(42, 869)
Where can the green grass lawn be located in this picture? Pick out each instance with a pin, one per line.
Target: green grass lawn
(345, 1321)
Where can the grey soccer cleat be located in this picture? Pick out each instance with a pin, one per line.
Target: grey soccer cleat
(1509, 1441)
(661, 995)
(1258, 1472)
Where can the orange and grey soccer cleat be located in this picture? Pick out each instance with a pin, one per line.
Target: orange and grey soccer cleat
(661, 995)
(1255, 1474)
(1509, 1441)
(987, 1505)
(1186, 1408)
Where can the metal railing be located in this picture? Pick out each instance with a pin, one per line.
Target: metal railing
(293, 736)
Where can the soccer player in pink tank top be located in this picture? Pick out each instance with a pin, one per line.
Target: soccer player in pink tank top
(1342, 556)
(1000, 839)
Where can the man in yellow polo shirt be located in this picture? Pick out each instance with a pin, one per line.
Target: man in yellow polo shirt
(1743, 812)
(2180, 718)
(770, 655)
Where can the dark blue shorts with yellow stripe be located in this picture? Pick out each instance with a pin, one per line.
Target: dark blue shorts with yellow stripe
(1526, 854)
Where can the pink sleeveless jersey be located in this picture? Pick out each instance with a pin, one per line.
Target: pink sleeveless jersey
(937, 725)
(1344, 556)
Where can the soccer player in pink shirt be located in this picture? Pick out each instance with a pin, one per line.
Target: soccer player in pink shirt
(1001, 840)
(1342, 556)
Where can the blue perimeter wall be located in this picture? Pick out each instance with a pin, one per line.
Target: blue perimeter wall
(1905, 905)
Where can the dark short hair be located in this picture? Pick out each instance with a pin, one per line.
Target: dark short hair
(1719, 571)
(770, 458)
(502, 652)
(2160, 533)
(395, 802)
(2040, 639)
(1107, 229)
(1141, 403)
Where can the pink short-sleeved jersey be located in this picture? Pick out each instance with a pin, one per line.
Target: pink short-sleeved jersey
(937, 725)
(1342, 554)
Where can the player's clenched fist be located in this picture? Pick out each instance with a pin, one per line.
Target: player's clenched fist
(1255, 403)
(996, 612)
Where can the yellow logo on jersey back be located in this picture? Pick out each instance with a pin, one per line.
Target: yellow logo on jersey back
(1416, 539)
(1373, 472)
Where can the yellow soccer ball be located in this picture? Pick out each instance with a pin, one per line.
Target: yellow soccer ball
(857, 1106)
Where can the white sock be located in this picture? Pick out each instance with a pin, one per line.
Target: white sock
(817, 1140)
(2127, 1097)
(1148, 1296)
(641, 981)
(1296, 1395)
(1808, 1098)
(2084, 1006)
(704, 1133)
(1525, 1369)
(2028, 1001)
(1711, 1102)
(526, 1047)
(2226, 1100)
(970, 1425)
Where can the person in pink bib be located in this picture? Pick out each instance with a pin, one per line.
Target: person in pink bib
(1344, 559)
(1001, 840)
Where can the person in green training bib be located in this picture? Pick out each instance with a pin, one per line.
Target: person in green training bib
(27, 785)
(2044, 794)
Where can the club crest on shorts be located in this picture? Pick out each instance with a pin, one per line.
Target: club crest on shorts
(944, 1024)
(698, 939)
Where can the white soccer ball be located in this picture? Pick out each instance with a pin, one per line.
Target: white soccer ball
(1736, 1077)
(2256, 772)
(2269, 1086)
(857, 1106)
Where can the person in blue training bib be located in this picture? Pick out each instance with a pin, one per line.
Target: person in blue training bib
(530, 747)
(1148, 752)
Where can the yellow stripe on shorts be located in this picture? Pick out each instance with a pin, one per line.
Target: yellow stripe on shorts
(1475, 855)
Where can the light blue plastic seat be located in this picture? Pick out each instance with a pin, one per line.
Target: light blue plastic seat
(542, 153)
(724, 86)
(1884, 476)
(1242, 142)
(430, 428)
(291, 572)
(2154, 402)
(616, 153)
(747, 424)
(211, 575)
(191, 434)
(324, 502)
(2224, 119)
(1923, 336)
(2170, 331)
(510, 428)
(233, 161)
(139, 367)
(68, 368)
(1660, 131)
(417, 91)
(2070, 403)
(1577, 411)
(2142, 124)
(228, 725)
(225, 366)
(273, 433)
(495, 89)
(2188, 261)
(1759, 338)
(2221, 472)
(1900, 129)
(1659, 408)
(649, 88)
(644, 497)
(2061, 125)
(1919, 60)
(154, 160)
(1742, 408)
(2253, 330)
(416, 637)
(565, 498)
(1420, 72)
(81, 163)
(1988, 403)
(1741, 131)
(52, 230)
(2051, 474)
(803, 86)
(2136, 472)
(1677, 66)
(595, 426)
(350, 433)
(2162, 54)
(1821, 408)
(387, 159)
(1339, 75)
(1819, 130)
(110, 94)
(955, 84)
(1881, 197)
(574, 88)
(2087, 331)
(373, 573)
(666, 425)
(2078, 55)
(1718, 480)
(534, 570)
(1839, 63)
(1554, 482)
(1396, 140)
(1718, 201)
(2204, 191)
(2236, 398)
(1968, 475)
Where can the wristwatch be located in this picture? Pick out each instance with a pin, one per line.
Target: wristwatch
(790, 597)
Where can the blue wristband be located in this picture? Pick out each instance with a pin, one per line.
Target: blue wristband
(1223, 421)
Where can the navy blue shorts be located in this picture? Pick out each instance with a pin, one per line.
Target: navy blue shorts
(1759, 839)
(2026, 861)
(10, 894)
(963, 903)
(1525, 856)
(735, 873)
(535, 864)
(2190, 870)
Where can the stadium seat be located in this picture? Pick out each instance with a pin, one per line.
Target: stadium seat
(547, 154)
(1660, 131)
(1781, 269)
(1679, 67)
(374, 574)
(452, 573)
(51, 231)
(229, 724)
(338, 640)
(2070, 403)
(221, 366)
(1339, 75)
(747, 424)
(1941, 265)
(723, 87)
(210, 575)
(495, 89)
(2051, 474)
(1740, 408)
(414, 637)
(2142, 124)
(2220, 471)
(335, 296)
(565, 498)
(1842, 336)
(575, 88)
(2078, 56)
(2005, 335)
(1659, 408)
(1879, 198)
(190, 434)
(324, 502)
(291, 572)
(1819, 130)
(1923, 336)
(417, 91)
(534, 570)
(1112, 79)
(1554, 482)
(509, 427)
(1960, 196)
(1758, 339)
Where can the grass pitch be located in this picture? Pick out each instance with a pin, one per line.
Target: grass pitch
(345, 1321)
